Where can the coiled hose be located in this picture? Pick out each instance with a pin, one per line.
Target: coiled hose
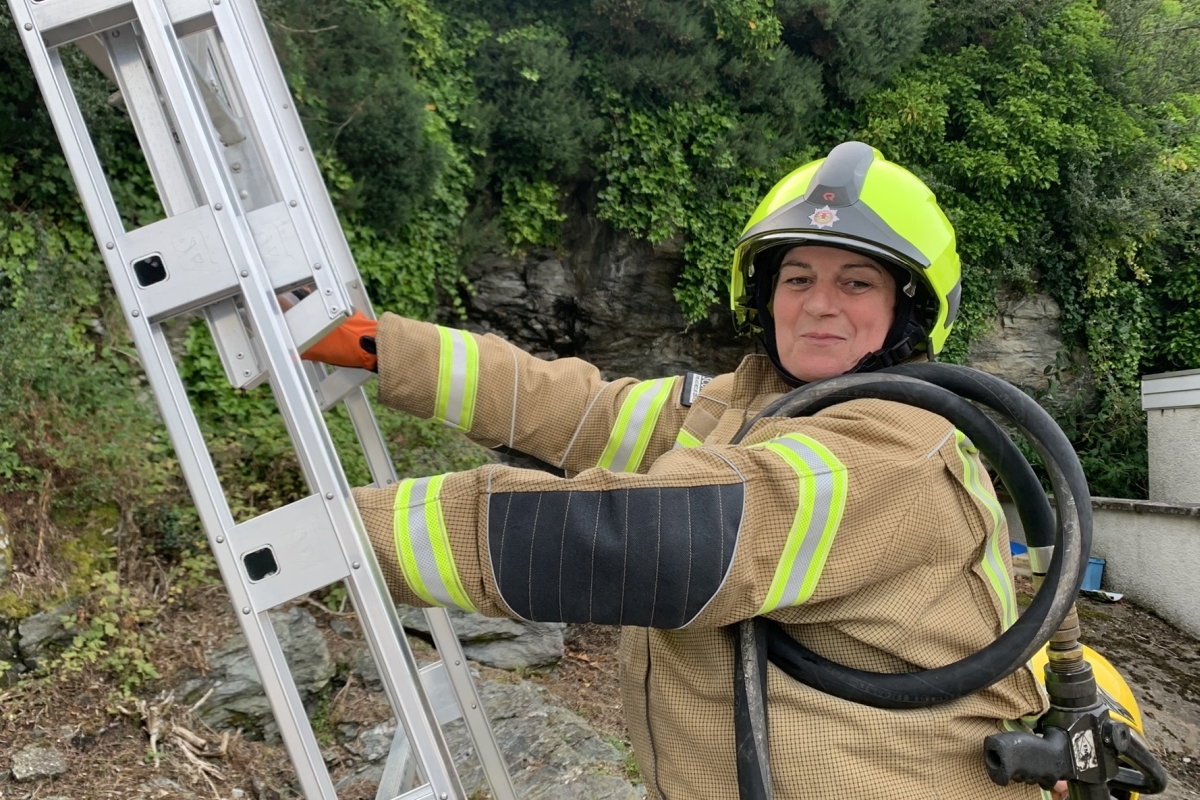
(945, 390)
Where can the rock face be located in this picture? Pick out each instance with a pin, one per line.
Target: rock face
(552, 754)
(1025, 347)
(237, 699)
(606, 298)
(502, 643)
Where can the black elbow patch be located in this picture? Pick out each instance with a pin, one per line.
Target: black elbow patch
(646, 557)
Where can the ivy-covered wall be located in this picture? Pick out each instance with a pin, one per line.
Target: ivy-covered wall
(1060, 136)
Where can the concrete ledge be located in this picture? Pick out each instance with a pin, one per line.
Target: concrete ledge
(1152, 552)
(1145, 506)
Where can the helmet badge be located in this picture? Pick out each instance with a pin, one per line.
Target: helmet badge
(823, 217)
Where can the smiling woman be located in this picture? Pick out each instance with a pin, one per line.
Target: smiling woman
(831, 308)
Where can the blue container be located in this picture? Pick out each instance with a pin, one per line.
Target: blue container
(1093, 576)
(1017, 549)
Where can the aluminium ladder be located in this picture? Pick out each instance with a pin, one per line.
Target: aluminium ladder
(248, 217)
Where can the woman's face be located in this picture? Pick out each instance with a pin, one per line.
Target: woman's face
(831, 308)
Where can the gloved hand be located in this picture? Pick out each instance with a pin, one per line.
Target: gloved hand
(351, 344)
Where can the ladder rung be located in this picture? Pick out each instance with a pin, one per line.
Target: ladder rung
(195, 266)
(337, 385)
(63, 21)
(299, 542)
(440, 692)
(420, 793)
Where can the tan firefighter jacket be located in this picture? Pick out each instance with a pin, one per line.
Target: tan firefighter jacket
(870, 530)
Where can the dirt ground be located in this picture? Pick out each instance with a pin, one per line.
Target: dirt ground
(110, 753)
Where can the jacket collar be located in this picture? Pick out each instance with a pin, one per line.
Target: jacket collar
(756, 384)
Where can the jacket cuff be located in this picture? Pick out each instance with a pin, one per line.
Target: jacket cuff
(408, 353)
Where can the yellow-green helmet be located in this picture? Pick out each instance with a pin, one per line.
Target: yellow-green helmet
(855, 199)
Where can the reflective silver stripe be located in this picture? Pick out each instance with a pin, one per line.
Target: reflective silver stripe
(822, 504)
(635, 422)
(426, 548)
(458, 379)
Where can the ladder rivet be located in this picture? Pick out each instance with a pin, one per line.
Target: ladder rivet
(28, 26)
(220, 540)
(218, 206)
(301, 148)
(245, 273)
(135, 313)
(329, 495)
(329, 291)
(357, 565)
(285, 105)
(458, 663)
(245, 609)
(246, 374)
(243, 194)
(317, 265)
(292, 204)
(241, 355)
(116, 34)
(333, 311)
(110, 245)
(474, 705)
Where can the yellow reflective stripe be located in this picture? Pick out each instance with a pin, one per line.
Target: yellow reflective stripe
(685, 439)
(635, 422)
(458, 379)
(823, 483)
(993, 561)
(422, 545)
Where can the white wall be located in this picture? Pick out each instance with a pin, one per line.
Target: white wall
(1152, 552)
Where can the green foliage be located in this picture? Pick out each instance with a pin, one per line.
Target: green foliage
(112, 635)
(360, 104)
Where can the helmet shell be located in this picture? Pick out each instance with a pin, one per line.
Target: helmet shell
(856, 199)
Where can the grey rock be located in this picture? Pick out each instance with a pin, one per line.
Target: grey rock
(552, 753)
(37, 761)
(163, 789)
(1025, 348)
(41, 635)
(502, 643)
(607, 298)
(237, 699)
(375, 743)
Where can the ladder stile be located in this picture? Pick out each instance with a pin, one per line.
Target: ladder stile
(247, 217)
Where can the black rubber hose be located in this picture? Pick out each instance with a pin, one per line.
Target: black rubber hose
(1014, 647)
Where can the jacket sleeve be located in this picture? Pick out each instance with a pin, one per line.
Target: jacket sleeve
(807, 510)
(561, 412)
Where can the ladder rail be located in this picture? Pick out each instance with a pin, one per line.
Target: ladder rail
(190, 184)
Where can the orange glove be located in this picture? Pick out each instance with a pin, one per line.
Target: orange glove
(351, 344)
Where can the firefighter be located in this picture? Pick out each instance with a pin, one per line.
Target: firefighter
(869, 531)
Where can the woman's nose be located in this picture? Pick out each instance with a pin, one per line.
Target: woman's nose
(821, 300)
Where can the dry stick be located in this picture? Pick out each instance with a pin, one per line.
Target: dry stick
(200, 702)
